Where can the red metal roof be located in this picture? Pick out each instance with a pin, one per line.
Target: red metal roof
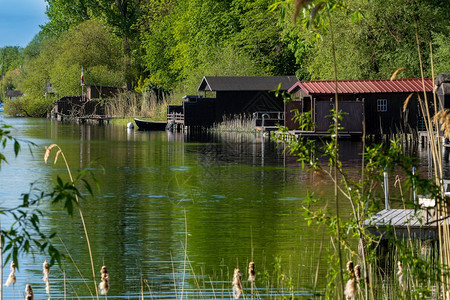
(364, 86)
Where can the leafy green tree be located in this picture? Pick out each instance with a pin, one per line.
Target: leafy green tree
(122, 16)
(9, 81)
(91, 46)
(441, 43)
(38, 60)
(382, 40)
(66, 14)
(10, 58)
(157, 42)
(195, 38)
(260, 36)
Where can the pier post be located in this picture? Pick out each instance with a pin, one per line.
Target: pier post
(414, 186)
(386, 190)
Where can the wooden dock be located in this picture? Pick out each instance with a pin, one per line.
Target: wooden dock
(94, 119)
(91, 119)
(403, 223)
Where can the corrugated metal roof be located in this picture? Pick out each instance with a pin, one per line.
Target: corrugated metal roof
(364, 86)
(246, 83)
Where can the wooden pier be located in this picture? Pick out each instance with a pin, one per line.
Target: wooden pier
(403, 223)
(92, 119)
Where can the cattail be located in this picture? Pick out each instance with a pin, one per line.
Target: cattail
(251, 272)
(237, 284)
(104, 285)
(12, 276)
(29, 292)
(46, 272)
(350, 268)
(400, 274)
(350, 287)
(396, 72)
(358, 272)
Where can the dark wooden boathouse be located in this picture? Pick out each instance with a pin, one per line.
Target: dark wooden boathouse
(230, 96)
(381, 103)
(86, 105)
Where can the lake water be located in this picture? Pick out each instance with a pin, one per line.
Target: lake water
(175, 215)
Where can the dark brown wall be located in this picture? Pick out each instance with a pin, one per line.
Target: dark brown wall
(97, 92)
(394, 120)
(199, 112)
(73, 106)
(248, 102)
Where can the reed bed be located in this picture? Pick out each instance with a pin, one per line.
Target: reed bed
(274, 280)
(237, 123)
(130, 104)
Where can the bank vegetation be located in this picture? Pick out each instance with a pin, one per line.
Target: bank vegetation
(163, 48)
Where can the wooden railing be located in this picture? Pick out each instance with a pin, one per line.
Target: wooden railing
(178, 118)
(267, 118)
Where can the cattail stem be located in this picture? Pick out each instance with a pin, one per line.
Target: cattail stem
(47, 153)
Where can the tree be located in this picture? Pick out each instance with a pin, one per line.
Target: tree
(122, 16)
(91, 46)
(383, 40)
(260, 36)
(10, 58)
(66, 14)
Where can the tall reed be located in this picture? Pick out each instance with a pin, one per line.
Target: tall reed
(59, 152)
(236, 123)
(130, 104)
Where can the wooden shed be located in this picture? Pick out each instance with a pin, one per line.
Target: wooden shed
(381, 103)
(75, 106)
(229, 96)
(102, 92)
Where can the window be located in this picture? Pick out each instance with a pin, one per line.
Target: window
(381, 105)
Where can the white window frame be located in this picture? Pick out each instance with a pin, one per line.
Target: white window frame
(382, 105)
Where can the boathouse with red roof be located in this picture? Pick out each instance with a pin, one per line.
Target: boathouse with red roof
(384, 106)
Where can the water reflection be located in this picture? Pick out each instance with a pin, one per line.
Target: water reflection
(238, 194)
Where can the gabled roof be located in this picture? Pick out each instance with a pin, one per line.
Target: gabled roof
(13, 93)
(367, 86)
(246, 83)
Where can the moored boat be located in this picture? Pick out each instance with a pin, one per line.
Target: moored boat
(150, 125)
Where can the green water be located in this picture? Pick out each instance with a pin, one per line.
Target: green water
(226, 199)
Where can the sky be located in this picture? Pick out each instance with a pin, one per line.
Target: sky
(20, 20)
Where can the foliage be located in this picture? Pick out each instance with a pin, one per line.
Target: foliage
(66, 14)
(90, 46)
(322, 157)
(373, 39)
(11, 57)
(166, 46)
(9, 81)
(32, 79)
(441, 43)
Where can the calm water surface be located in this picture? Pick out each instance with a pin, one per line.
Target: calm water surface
(225, 199)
